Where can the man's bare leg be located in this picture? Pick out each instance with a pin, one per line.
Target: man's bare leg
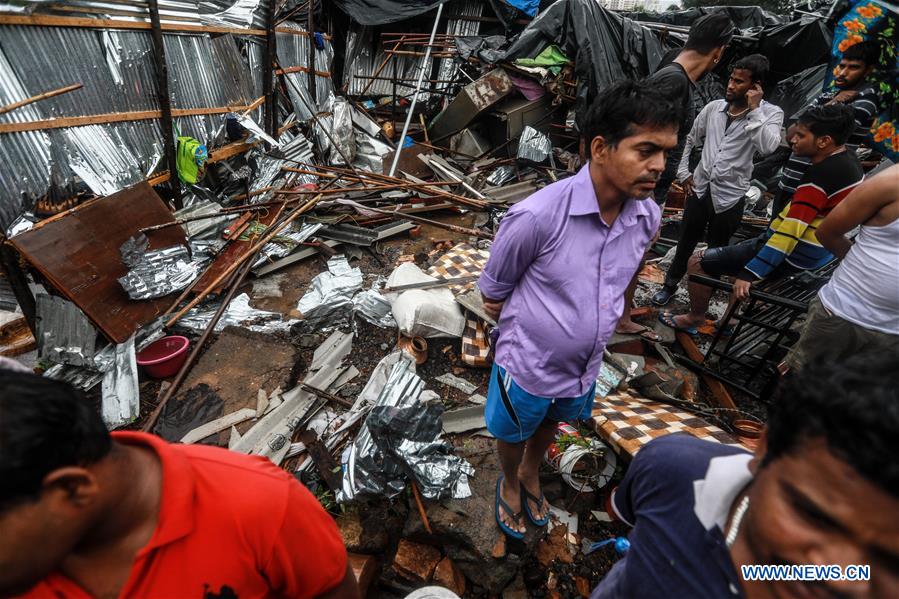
(510, 457)
(700, 296)
(529, 469)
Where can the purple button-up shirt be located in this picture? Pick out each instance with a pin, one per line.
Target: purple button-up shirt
(563, 272)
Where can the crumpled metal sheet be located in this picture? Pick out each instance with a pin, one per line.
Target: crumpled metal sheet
(207, 227)
(161, 272)
(375, 308)
(293, 51)
(254, 128)
(121, 395)
(294, 150)
(25, 222)
(133, 250)
(339, 124)
(329, 302)
(239, 313)
(64, 334)
(501, 175)
(370, 153)
(286, 242)
(402, 437)
(230, 13)
(534, 146)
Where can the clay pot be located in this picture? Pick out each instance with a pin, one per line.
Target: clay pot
(748, 432)
(416, 347)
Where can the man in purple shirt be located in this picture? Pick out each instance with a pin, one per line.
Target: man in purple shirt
(555, 282)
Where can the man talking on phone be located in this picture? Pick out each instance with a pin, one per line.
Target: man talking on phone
(730, 132)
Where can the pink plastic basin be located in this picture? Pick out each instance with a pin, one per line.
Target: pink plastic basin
(164, 357)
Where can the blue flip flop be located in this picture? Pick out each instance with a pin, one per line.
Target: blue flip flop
(515, 516)
(528, 497)
(667, 319)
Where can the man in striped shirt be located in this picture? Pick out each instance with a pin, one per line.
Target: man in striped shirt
(789, 245)
(852, 89)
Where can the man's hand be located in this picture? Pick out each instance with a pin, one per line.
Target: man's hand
(741, 289)
(844, 96)
(688, 186)
(754, 97)
(493, 307)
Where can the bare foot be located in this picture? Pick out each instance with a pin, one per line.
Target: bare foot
(512, 497)
(532, 484)
(686, 320)
(629, 327)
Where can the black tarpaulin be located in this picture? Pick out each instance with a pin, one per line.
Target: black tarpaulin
(605, 47)
(795, 93)
(795, 46)
(381, 12)
(743, 17)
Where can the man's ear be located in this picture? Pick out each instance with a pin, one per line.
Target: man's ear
(599, 149)
(73, 484)
(761, 449)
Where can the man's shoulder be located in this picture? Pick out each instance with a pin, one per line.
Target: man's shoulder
(836, 172)
(683, 456)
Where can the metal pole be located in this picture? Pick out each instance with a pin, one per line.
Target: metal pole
(165, 103)
(421, 76)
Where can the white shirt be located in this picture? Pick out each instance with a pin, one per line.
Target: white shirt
(727, 152)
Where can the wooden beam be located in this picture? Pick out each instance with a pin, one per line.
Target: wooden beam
(92, 23)
(270, 110)
(165, 102)
(112, 117)
(719, 391)
(324, 74)
(39, 97)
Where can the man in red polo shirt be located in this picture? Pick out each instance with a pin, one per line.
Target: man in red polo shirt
(87, 514)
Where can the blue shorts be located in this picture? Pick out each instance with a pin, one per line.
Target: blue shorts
(513, 414)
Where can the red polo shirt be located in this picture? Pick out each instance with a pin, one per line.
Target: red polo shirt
(231, 526)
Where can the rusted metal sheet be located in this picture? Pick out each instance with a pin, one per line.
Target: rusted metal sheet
(476, 97)
(78, 253)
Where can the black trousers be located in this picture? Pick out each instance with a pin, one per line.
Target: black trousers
(699, 216)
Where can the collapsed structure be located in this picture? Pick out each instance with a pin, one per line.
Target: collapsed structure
(163, 160)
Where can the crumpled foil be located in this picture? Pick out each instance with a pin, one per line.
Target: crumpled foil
(238, 313)
(207, 228)
(374, 307)
(534, 146)
(402, 436)
(340, 126)
(133, 250)
(121, 394)
(370, 153)
(329, 302)
(501, 175)
(161, 272)
(286, 242)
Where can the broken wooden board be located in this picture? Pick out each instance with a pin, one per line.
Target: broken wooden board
(16, 338)
(77, 251)
(233, 253)
(719, 392)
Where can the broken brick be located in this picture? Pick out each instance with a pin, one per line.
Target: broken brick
(365, 568)
(583, 586)
(448, 575)
(415, 562)
(554, 547)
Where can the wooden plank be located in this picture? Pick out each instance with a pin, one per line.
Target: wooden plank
(112, 117)
(288, 70)
(232, 254)
(719, 391)
(39, 97)
(91, 23)
(218, 425)
(78, 253)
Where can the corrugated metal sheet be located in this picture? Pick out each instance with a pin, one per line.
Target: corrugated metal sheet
(364, 54)
(469, 8)
(116, 69)
(293, 50)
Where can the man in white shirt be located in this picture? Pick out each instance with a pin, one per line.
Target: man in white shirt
(730, 132)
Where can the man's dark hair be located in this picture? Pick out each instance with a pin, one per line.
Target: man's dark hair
(709, 32)
(44, 425)
(867, 52)
(836, 120)
(853, 404)
(628, 104)
(757, 64)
